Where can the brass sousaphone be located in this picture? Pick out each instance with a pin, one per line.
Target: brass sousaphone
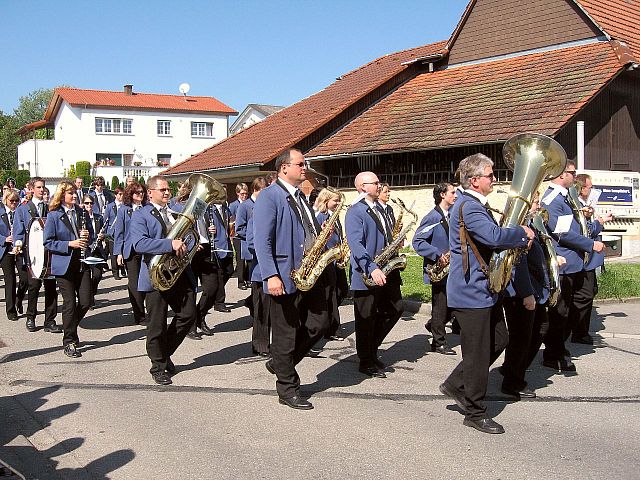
(533, 158)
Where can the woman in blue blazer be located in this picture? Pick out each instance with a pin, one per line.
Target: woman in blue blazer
(97, 250)
(8, 258)
(67, 234)
(135, 197)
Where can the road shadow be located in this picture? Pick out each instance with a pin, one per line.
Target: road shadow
(25, 414)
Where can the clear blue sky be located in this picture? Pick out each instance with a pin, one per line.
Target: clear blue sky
(271, 52)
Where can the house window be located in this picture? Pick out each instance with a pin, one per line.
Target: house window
(201, 129)
(113, 125)
(164, 127)
(164, 160)
(108, 159)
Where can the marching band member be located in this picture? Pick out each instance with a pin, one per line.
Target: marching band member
(572, 245)
(383, 201)
(149, 227)
(80, 190)
(25, 214)
(110, 216)
(473, 236)
(242, 192)
(11, 199)
(338, 286)
(67, 234)
(284, 227)
(431, 242)
(135, 197)
(377, 309)
(97, 222)
(580, 310)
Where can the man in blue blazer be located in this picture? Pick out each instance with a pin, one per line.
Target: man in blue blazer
(242, 193)
(431, 242)
(283, 225)
(25, 214)
(572, 245)
(149, 227)
(110, 220)
(473, 237)
(377, 309)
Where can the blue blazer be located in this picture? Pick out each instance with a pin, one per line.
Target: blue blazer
(278, 226)
(572, 244)
(233, 207)
(108, 198)
(97, 224)
(596, 259)
(366, 238)
(122, 232)
(148, 236)
(58, 232)
(5, 231)
(431, 239)
(254, 267)
(244, 213)
(110, 215)
(222, 229)
(530, 276)
(470, 289)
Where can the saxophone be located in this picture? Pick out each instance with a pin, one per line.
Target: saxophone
(388, 259)
(317, 258)
(437, 271)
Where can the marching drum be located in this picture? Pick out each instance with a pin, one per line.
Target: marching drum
(39, 258)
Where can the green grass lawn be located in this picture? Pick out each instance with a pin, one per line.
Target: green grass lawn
(618, 281)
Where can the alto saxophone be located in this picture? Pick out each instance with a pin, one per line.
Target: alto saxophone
(316, 259)
(439, 270)
(388, 259)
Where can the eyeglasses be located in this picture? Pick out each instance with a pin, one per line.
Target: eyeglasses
(88, 203)
(488, 175)
(163, 190)
(137, 192)
(572, 172)
(370, 183)
(300, 165)
(119, 193)
(12, 201)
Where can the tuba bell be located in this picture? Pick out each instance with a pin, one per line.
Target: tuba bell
(533, 158)
(165, 269)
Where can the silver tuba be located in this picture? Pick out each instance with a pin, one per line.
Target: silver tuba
(538, 222)
(165, 269)
(533, 158)
(574, 201)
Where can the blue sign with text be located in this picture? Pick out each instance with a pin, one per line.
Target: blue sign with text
(615, 195)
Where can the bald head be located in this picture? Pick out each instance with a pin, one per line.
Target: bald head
(367, 182)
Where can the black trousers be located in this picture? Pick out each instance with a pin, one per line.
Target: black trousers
(585, 290)
(377, 310)
(439, 313)
(526, 328)
(260, 334)
(96, 276)
(213, 278)
(559, 317)
(162, 339)
(483, 337)
(335, 295)
(242, 269)
(8, 264)
(75, 288)
(33, 290)
(23, 280)
(298, 321)
(136, 297)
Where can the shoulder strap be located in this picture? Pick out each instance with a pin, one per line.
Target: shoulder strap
(465, 241)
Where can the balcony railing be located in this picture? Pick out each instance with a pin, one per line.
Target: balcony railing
(122, 172)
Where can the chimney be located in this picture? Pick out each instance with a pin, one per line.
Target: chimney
(128, 89)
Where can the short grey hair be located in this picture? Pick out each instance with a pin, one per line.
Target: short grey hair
(473, 166)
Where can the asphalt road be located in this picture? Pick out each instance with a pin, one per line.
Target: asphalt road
(101, 416)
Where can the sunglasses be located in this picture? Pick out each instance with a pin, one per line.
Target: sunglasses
(88, 203)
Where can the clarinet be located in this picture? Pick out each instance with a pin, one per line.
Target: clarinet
(83, 250)
(212, 239)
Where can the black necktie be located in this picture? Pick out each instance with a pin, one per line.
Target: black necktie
(385, 221)
(10, 219)
(42, 208)
(309, 230)
(74, 223)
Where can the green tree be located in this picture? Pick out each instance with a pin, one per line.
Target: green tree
(32, 107)
(115, 182)
(9, 142)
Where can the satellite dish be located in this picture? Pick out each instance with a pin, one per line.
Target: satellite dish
(184, 88)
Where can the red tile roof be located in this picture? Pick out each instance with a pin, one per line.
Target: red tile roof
(481, 103)
(265, 140)
(618, 18)
(136, 101)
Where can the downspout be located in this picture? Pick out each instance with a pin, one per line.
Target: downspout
(580, 145)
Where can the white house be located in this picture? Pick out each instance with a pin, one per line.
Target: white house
(121, 133)
(253, 113)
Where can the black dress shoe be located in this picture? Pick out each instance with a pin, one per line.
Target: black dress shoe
(296, 402)
(222, 308)
(194, 335)
(19, 308)
(336, 338)
(380, 364)
(31, 324)
(443, 349)
(13, 318)
(525, 392)
(171, 368)
(52, 327)
(372, 372)
(453, 395)
(428, 326)
(70, 350)
(242, 286)
(161, 378)
(584, 340)
(205, 330)
(485, 425)
(269, 366)
(564, 365)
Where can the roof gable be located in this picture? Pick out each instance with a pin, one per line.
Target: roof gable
(480, 103)
(263, 141)
(491, 28)
(620, 19)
